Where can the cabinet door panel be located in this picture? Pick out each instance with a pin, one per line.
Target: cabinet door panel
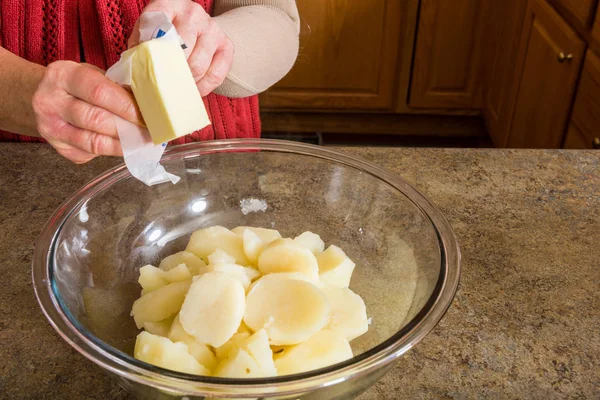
(581, 12)
(595, 40)
(576, 139)
(347, 57)
(447, 54)
(504, 24)
(584, 128)
(547, 82)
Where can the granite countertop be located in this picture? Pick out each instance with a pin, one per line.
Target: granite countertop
(525, 322)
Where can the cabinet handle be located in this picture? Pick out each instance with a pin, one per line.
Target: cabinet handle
(596, 143)
(562, 57)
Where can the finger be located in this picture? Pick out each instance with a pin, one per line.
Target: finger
(217, 72)
(86, 116)
(164, 6)
(191, 21)
(188, 30)
(71, 153)
(94, 67)
(203, 54)
(93, 87)
(91, 142)
(170, 8)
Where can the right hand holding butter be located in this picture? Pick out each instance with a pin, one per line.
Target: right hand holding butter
(209, 52)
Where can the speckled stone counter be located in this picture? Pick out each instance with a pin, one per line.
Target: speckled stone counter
(525, 322)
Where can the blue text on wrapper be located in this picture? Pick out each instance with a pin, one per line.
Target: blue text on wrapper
(158, 33)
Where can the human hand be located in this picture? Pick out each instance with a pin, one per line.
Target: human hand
(209, 51)
(75, 108)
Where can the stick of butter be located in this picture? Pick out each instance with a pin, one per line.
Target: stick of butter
(165, 91)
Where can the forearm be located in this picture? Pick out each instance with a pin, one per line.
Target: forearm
(19, 79)
(265, 35)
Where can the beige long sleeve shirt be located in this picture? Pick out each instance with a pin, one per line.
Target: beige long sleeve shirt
(265, 35)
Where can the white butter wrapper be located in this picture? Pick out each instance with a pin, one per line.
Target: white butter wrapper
(142, 156)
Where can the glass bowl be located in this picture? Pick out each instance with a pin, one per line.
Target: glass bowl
(86, 261)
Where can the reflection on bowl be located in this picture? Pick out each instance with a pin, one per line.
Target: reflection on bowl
(87, 259)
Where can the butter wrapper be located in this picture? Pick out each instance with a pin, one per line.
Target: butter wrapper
(142, 156)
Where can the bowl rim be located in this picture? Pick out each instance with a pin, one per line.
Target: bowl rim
(173, 382)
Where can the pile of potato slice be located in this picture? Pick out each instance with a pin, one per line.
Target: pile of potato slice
(247, 303)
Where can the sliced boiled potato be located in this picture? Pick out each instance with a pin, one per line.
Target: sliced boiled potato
(220, 256)
(205, 241)
(257, 346)
(198, 350)
(323, 349)
(287, 275)
(250, 273)
(213, 308)
(160, 303)
(191, 261)
(335, 268)
(263, 306)
(151, 278)
(253, 245)
(255, 240)
(244, 274)
(239, 365)
(266, 235)
(162, 352)
(285, 255)
(232, 344)
(290, 310)
(250, 357)
(160, 328)
(244, 328)
(291, 275)
(348, 312)
(236, 272)
(311, 241)
(278, 351)
(177, 274)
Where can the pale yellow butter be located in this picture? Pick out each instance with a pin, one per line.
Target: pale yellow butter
(165, 91)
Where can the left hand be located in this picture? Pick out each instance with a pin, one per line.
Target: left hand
(209, 51)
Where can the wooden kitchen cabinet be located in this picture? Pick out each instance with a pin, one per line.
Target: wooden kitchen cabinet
(416, 67)
(579, 12)
(584, 127)
(550, 57)
(504, 24)
(595, 39)
(545, 75)
(347, 59)
(446, 71)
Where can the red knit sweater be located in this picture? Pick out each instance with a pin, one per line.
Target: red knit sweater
(43, 31)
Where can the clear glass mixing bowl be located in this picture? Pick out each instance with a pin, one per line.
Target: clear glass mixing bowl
(86, 261)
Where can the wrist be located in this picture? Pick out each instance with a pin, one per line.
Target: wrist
(19, 79)
(30, 80)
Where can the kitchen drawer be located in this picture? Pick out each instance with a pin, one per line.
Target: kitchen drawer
(579, 12)
(584, 127)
